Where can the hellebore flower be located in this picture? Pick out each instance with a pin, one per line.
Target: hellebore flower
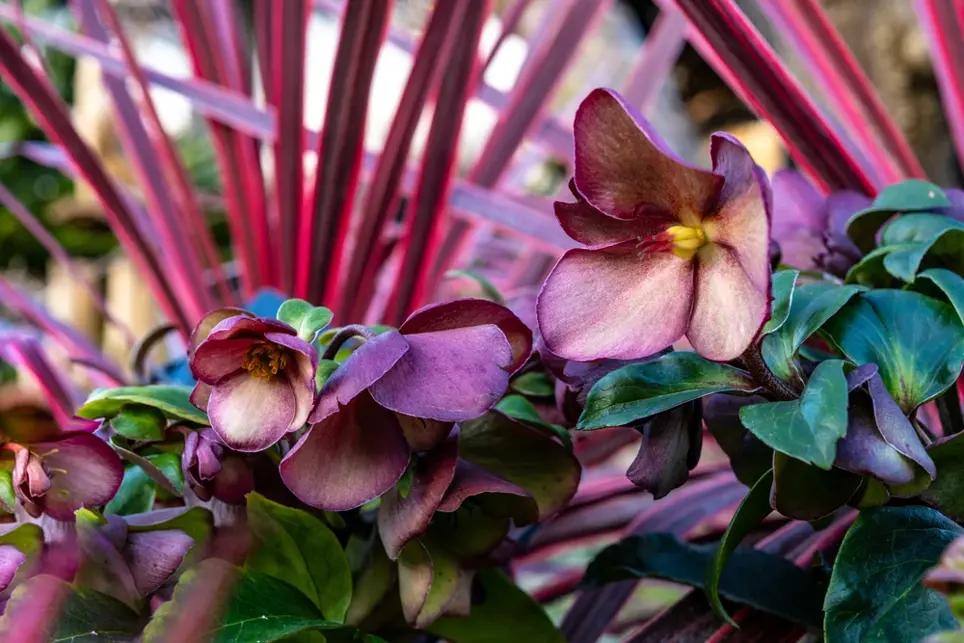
(812, 229)
(399, 393)
(671, 250)
(212, 470)
(256, 379)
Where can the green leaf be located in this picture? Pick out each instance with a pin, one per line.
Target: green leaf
(940, 281)
(8, 497)
(907, 196)
(752, 577)
(807, 429)
(946, 492)
(917, 228)
(325, 368)
(782, 289)
(516, 406)
(804, 492)
(638, 391)
(308, 320)
(296, 547)
(916, 342)
(196, 522)
(260, 607)
(533, 384)
(505, 613)
(163, 468)
(871, 272)
(875, 590)
(489, 291)
(28, 538)
(135, 495)
(139, 422)
(172, 401)
(751, 512)
(948, 247)
(812, 305)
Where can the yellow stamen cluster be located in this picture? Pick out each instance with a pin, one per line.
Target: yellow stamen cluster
(265, 360)
(686, 240)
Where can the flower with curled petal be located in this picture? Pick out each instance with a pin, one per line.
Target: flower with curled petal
(671, 250)
(256, 378)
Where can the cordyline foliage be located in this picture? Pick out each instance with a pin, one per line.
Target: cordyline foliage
(306, 474)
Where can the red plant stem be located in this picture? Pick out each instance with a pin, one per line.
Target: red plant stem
(52, 116)
(944, 27)
(510, 20)
(655, 60)
(185, 204)
(381, 201)
(425, 224)
(325, 222)
(728, 41)
(57, 251)
(844, 83)
(60, 395)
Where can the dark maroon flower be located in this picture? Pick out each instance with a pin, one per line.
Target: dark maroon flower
(211, 469)
(811, 228)
(399, 393)
(256, 379)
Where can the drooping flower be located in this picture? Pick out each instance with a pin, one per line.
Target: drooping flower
(212, 470)
(399, 393)
(671, 250)
(811, 228)
(256, 379)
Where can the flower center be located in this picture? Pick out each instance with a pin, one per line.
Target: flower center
(686, 240)
(265, 360)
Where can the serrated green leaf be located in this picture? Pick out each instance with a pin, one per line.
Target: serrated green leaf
(639, 391)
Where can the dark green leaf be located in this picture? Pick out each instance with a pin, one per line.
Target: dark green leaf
(325, 368)
(947, 491)
(812, 305)
(804, 492)
(751, 512)
(139, 422)
(136, 493)
(172, 401)
(917, 228)
(916, 342)
(534, 384)
(516, 406)
(875, 590)
(8, 497)
(163, 468)
(505, 613)
(948, 247)
(638, 391)
(871, 272)
(782, 289)
(751, 577)
(28, 538)
(940, 281)
(296, 547)
(308, 320)
(907, 196)
(808, 428)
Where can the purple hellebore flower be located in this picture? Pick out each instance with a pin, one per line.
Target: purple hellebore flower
(256, 378)
(211, 469)
(399, 393)
(671, 250)
(811, 228)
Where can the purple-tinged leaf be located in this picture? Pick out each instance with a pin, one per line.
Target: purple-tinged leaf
(726, 38)
(325, 221)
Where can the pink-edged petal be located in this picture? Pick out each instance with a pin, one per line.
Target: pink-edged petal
(402, 519)
(448, 375)
(623, 172)
(464, 313)
(364, 367)
(208, 322)
(742, 217)
(251, 413)
(301, 374)
(245, 326)
(216, 359)
(590, 227)
(84, 472)
(201, 395)
(348, 459)
(10, 561)
(729, 307)
(618, 302)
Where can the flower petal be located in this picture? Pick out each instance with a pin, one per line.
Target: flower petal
(245, 325)
(448, 375)
(348, 459)
(840, 206)
(472, 480)
(84, 472)
(464, 313)
(234, 481)
(402, 519)
(423, 434)
(201, 395)
(590, 227)
(208, 322)
(251, 413)
(301, 374)
(153, 556)
(729, 309)
(364, 367)
(10, 560)
(618, 302)
(215, 359)
(864, 451)
(621, 170)
(666, 450)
